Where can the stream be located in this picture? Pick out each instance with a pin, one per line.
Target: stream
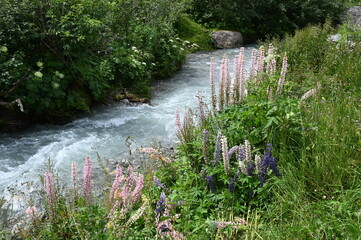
(23, 155)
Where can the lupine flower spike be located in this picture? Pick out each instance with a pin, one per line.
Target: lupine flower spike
(217, 149)
(213, 90)
(205, 146)
(281, 81)
(87, 190)
(117, 181)
(248, 153)
(202, 115)
(225, 154)
(50, 188)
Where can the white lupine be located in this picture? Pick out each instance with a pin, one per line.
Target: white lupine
(225, 154)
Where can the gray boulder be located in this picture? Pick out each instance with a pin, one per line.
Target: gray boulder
(352, 16)
(227, 39)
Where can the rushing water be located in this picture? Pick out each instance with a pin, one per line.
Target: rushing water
(23, 156)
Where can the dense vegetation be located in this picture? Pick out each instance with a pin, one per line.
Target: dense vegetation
(60, 56)
(257, 19)
(274, 157)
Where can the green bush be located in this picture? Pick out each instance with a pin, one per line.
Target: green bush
(261, 18)
(85, 48)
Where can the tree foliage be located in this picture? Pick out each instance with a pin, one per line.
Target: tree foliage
(264, 17)
(69, 53)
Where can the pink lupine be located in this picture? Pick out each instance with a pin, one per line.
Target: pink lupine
(281, 81)
(50, 188)
(149, 150)
(73, 172)
(177, 122)
(125, 194)
(31, 211)
(117, 181)
(202, 115)
(236, 78)
(260, 60)
(87, 190)
(227, 78)
(137, 192)
(222, 81)
(253, 63)
(311, 92)
(242, 78)
(271, 60)
(213, 90)
(234, 225)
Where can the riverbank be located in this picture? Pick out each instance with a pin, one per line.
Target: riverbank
(280, 162)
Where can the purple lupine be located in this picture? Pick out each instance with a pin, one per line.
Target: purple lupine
(232, 151)
(232, 185)
(210, 182)
(50, 188)
(87, 190)
(273, 163)
(158, 183)
(268, 162)
(217, 149)
(205, 145)
(241, 153)
(160, 205)
(250, 169)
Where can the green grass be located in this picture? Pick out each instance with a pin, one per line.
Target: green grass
(189, 30)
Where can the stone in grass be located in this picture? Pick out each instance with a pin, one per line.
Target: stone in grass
(352, 16)
(227, 39)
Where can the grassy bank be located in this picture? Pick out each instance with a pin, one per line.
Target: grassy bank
(276, 156)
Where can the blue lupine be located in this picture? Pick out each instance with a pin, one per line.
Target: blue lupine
(268, 162)
(160, 204)
(232, 185)
(217, 149)
(241, 154)
(232, 151)
(210, 181)
(250, 169)
(158, 183)
(273, 166)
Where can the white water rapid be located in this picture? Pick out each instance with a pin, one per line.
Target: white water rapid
(23, 156)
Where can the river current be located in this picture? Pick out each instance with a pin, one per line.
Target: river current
(23, 156)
